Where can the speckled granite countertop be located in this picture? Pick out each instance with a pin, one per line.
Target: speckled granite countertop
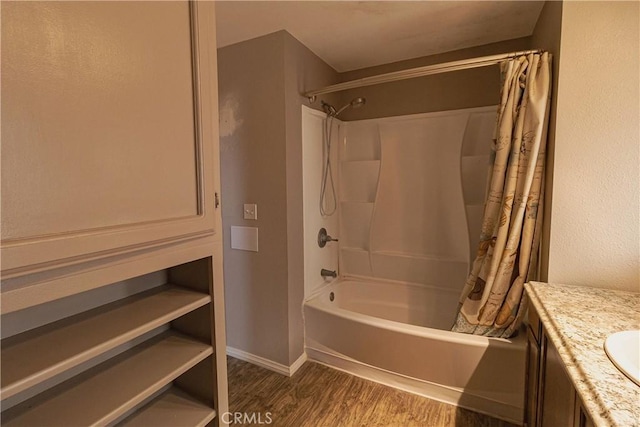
(578, 320)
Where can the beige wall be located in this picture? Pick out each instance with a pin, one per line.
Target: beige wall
(261, 152)
(546, 35)
(253, 170)
(461, 89)
(594, 237)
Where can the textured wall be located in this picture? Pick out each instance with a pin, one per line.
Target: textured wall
(253, 170)
(260, 82)
(595, 219)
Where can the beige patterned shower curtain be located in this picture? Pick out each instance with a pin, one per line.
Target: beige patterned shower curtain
(493, 300)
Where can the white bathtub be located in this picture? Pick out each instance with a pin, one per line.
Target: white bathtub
(398, 334)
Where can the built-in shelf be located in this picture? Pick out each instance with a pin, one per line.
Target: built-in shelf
(35, 356)
(102, 394)
(172, 408)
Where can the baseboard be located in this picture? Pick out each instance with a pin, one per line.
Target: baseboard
(266, 363)
(297, 364)
(432, 391)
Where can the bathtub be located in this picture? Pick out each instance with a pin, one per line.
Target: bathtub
(398, 334)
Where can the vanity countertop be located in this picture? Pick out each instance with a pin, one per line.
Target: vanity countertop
(578, 320)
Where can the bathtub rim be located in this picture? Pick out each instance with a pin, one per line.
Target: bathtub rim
(314, 301)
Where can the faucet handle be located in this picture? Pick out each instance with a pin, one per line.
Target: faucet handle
(323, 238)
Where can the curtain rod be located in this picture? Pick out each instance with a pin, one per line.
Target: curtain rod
(411, 73)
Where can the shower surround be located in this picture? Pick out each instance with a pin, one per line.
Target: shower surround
(411, 193)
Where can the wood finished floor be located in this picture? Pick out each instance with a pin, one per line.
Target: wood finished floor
(318, 396)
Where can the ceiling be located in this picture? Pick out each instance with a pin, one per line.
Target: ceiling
(350, 35)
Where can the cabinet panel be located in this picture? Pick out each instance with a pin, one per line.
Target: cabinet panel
(558, 394)
(535, 327)
(533, 378)
(107, 137)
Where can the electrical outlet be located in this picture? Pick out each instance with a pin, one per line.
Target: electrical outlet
(250, 211)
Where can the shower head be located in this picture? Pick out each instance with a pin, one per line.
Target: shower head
(358, 102)
(355, 103)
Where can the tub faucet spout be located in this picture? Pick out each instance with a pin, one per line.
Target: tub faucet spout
(328, 273)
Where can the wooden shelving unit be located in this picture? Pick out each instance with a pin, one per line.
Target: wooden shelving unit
(170, 409)
(160, 366)
(75, 340)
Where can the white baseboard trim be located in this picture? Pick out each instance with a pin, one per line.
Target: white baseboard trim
(266, 363)
(297, 364)
(426, 389)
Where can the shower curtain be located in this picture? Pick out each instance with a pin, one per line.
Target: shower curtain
(493, 301)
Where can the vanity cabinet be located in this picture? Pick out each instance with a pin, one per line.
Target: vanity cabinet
(551, 398)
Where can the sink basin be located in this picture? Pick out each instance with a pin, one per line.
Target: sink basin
(623, 348)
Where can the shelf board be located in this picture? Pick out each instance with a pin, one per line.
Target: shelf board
(35, 356)
(102, 394)
(170, 409)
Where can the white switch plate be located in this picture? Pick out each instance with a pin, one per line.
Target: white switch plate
(244, 238)
(250, 211)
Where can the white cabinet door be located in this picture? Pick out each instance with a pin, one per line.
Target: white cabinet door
(109, 129)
